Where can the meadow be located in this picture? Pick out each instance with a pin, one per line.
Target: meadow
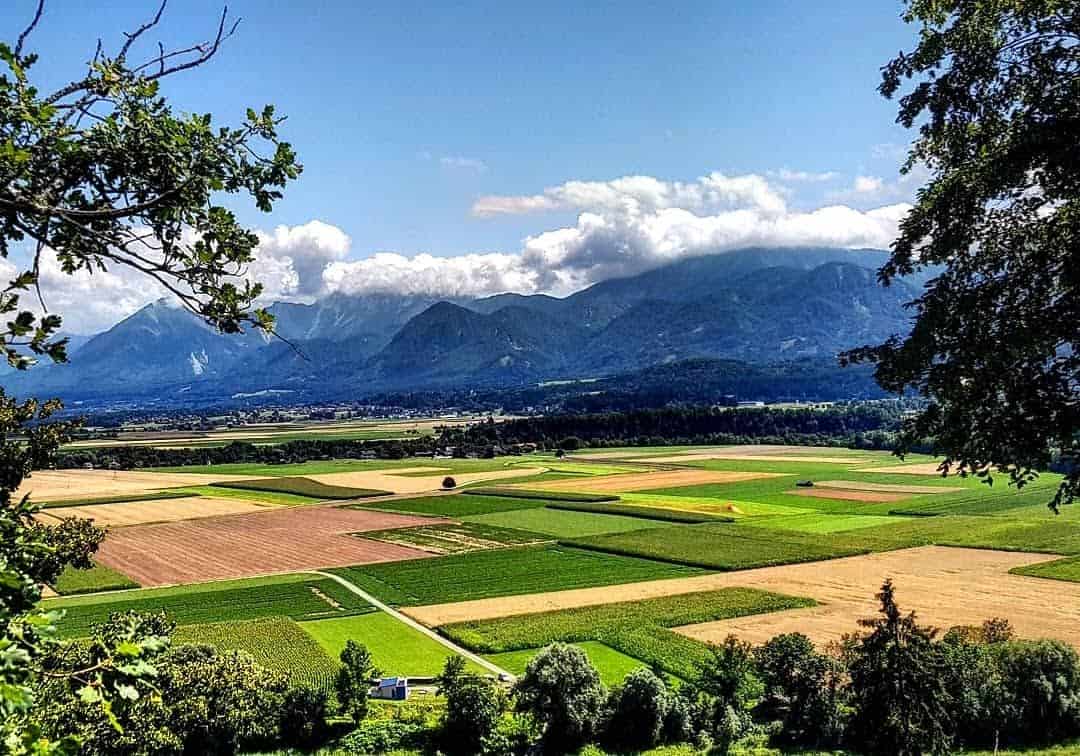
(505, 572)
(295, 596)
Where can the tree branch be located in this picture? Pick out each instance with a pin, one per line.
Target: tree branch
(26, 32)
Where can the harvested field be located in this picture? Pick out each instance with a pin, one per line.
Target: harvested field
(57, 485)
(682, 458)
(159, 510)
(650, 480)
(921, 468)
(855, 485)
(848, 495)
(458, 538)
(269, 541)
(946, 586)
(399, 483)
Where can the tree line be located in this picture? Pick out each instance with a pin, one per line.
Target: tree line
(894, 688)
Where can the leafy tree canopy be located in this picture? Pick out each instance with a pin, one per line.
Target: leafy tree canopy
(993, 89)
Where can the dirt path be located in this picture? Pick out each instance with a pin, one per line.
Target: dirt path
(497, 670)
(946, 586)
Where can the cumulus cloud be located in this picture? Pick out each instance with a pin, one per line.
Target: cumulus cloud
(867, 184)
(290, 259)
(642, 194)
(624, 226)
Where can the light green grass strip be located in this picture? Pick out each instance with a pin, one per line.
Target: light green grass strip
(563, 523)
(396, 649)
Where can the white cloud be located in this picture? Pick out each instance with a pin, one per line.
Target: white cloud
(642, 194)
(867, 184)
(803, 177)
(625, 226)
(290, 260)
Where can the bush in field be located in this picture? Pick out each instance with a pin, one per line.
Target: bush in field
(900, 701)
(570, 443)
(1041, 680)
(353, 680)
(562, 690)
(802, 691)
(637, 711)
(381, 736)
(448, 482)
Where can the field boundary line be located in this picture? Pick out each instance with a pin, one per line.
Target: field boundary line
(409, 621)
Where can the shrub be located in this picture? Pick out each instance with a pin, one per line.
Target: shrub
(570, 443)
(448, 482)
(1042, 684)
(638, 710)
(303, 718)
(562, 690)
(382, 736)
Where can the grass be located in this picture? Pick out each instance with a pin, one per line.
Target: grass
(720, 507)
(295, 596)
(524, 493)
(562, 523)
(727, 546)
(98, 578)
(505, 572)
(116, 499)
(635, 628)
(277, 643)
(454, 505)
(818, 522)
(396, 648)
(613, 665)
(642, 512)
(1060, 569)
(301, 487)
(457, 538)
(248, 495)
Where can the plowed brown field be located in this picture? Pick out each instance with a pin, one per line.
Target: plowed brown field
(946, 586)
(275, 540)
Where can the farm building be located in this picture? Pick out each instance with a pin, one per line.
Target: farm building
(392, 688)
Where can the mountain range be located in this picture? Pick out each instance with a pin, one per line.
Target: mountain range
(756, 306)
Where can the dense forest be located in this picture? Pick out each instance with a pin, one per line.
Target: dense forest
(869, 426)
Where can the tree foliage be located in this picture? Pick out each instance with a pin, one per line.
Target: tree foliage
(354, 679)
(563, 692)
(994, 91)
(898, 694)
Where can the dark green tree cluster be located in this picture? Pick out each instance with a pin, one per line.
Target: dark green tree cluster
(993, 89)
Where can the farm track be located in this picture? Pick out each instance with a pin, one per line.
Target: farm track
(427, 631)
(946, 586)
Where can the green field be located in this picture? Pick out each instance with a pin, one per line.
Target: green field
(630, 509)
(300, 486)
(324, 466)
(455, 505)
(1060, 569)
(727, 546)
(561, 523)
(505, 572)
(457, 538)
(396, 648)
(635, 628)
(257, 497)
(612, 665)
(523, 493)
(819, 522)
(117, 499)
(98, 578)
(277, 643)
(295, 596)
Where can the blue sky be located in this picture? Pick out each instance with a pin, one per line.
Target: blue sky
(407, 114)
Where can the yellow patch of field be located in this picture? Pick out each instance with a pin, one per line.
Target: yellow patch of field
(945, 586)
(399, 484)
(647, 481)
(154, 510)
(920, 468)
(846, 495)
(64, 485)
